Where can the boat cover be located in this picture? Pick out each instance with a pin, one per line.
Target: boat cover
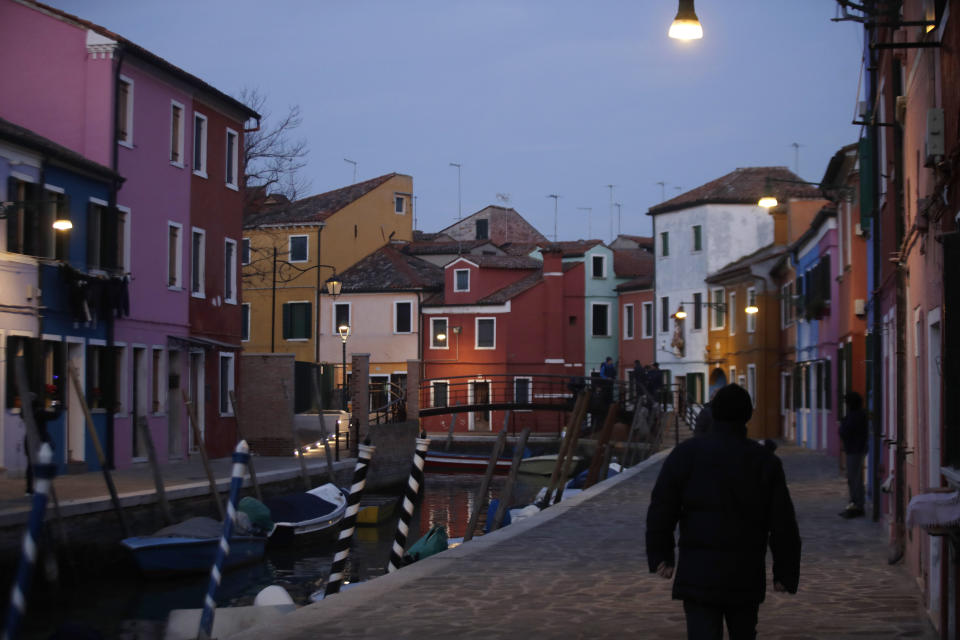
(200, 527)
(300, 507)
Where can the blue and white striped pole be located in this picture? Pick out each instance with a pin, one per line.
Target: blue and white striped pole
(43, 475)
(241, 455)
(349, 522)
(409, 502)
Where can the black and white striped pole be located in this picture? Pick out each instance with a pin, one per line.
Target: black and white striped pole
(349, 522)
(409, 503)
(43, 476)
(241, 455)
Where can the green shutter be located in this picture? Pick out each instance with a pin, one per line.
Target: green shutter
(287, 322)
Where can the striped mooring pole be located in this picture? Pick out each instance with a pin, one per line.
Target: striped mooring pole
(349, 522)
(409, 502)
(241, 455)
(43, 476)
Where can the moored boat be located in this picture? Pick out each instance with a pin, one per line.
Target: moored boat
(542, 465)
(445, 462)
(314, 513)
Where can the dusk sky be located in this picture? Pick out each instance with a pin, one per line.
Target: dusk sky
(530, 98)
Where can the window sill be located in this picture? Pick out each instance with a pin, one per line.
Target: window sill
(125, 143)
(174, 287)
(228, 301)
(200, 174)
(178, 165)
(232, 187)
(296, 339)
(433, 348)
(200, 295)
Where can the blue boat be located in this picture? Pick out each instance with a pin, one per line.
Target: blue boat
(190, 547)
(307, 515)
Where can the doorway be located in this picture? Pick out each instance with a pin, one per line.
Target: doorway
(196, 395)
(139, 450)
(76, 427)
(174, 405)
(479, 395)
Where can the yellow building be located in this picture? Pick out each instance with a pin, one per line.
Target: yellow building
(291, 249)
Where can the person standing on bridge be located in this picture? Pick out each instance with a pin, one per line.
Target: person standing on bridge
(729, 495)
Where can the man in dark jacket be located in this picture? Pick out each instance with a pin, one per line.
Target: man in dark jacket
(853, 434)
(730, 497)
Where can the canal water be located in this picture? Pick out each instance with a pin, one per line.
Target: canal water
(128, 606)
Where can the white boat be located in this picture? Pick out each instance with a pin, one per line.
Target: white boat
(309, 512)
(542, 465)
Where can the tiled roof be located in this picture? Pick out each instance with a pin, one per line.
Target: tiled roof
(519, 248)
(632, 262)
(423, 236)
(574, 248)
(26, 138)
(504, 262)
(513, 290)
(643, 241)
(743, 186)
(742, 265)
(314, 208)
(444, 247)
(643, 282)
(387, 269)
(150, 57)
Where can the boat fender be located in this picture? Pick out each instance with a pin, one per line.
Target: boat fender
(274, 596)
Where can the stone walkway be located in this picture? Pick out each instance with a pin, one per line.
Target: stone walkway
(578, 570)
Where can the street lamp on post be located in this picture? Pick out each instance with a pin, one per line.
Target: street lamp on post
(344, 331)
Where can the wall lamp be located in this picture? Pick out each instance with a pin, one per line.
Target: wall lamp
(60, 224)
(768, 199)
(686, 26)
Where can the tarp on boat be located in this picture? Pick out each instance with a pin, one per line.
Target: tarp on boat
(199, 527)
(299, 507)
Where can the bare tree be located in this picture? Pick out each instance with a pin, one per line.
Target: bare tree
(273, 158)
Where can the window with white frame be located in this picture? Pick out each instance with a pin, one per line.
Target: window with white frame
(461, 280)
(402, 317)
(600, 319)
(522, 387)
(486, 333)
(648, 320)
(297, 320)
(439, 338)
(719, 309)
(733, 315)
(245, 251)
(174, 255)
(399, 205)
(200, 145)
(752, 383)
(298, 249)
(733, 375)
(341, 316)
(628, 322)
(751, 317)
(125, 111)
(226, 383)
(230, 271)
(697, 311)
(697, 237)
(232, 159)
(245, 322)
(598, 264)
(176, 133)
(439, 390)
(198, 250)
(51, 243)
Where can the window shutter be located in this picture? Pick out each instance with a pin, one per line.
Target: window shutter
(109, 244)
(827, 389)
(306, 312)
(286, 322)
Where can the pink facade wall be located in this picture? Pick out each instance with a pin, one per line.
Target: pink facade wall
(828, 335)
(58, 91)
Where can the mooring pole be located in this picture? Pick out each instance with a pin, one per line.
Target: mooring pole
(485, 484)
(349, 522)
(253, 473)
(414, 482)
(44, 472)
(201, 446)
(511, 480)
(241, 455)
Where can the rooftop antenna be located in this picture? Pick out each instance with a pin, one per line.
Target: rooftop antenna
(618, 205)
(663, 193)
(354, 169)
(611, 186)
(555, 198)
(505, 199)
(459, 212)
(589, 229)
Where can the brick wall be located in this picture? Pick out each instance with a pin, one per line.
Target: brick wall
(391, 462)
(265, 397)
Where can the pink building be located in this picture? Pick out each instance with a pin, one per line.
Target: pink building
(112, 101)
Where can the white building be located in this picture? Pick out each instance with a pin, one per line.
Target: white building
(697, 233)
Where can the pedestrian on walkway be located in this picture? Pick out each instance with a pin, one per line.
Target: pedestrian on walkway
(853, 434)
(729, 495)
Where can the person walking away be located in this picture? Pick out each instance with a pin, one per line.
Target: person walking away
(608, 373)
(729, 495)
(655, 385)
(853, 434)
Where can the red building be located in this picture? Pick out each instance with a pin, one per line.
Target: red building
(635, 303)
(214, 245)
(500, 326)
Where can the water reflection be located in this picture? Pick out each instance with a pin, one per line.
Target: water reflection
(128, 606)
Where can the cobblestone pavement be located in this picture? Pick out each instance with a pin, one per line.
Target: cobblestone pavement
(578, 570)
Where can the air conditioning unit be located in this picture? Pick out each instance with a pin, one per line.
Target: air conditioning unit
(901, 110)
(860, 306)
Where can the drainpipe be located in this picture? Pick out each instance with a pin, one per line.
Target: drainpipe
(115, 165)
